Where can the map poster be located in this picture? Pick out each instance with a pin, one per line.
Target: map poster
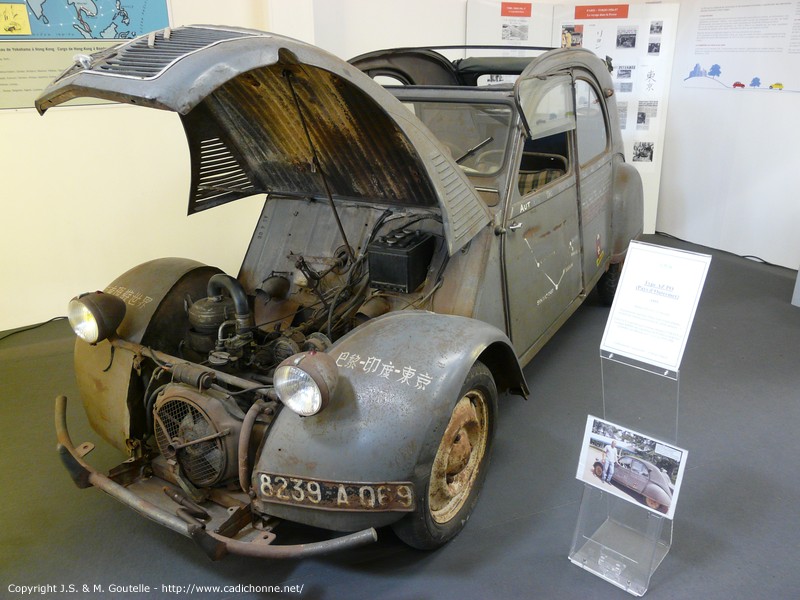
(654, 306)
(632, 466)
(39, 38)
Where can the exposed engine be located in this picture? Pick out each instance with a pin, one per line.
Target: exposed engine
(308, 308)
(197, 419)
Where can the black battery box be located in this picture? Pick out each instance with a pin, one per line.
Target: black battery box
(399, 261)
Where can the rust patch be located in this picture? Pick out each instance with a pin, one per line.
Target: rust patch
(532, 231)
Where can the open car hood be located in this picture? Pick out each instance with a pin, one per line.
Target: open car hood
(258, 108)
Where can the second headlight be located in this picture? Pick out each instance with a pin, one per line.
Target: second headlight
(305, 382)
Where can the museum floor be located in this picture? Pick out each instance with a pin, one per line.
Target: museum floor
(736, 522)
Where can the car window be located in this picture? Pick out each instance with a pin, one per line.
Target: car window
(387, 80)
(592, 132)
(547, 105)
(475, 134)
(550, 116)
(639, 468)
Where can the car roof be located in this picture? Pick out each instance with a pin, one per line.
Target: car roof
(427, 66)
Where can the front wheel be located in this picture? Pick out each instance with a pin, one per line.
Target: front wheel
(654, 504)
(459, 467)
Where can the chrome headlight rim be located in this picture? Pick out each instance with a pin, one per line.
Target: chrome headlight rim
(95, 316)
(306, 381)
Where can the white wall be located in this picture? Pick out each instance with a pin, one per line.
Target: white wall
(348, 28)
(92, 191)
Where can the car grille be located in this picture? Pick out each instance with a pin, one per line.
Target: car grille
(148, 56)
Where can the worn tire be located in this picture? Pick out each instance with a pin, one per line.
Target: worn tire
(654, 504)
(457, 471)
(607, 285)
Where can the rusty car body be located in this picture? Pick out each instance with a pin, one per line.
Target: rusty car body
(417, 245)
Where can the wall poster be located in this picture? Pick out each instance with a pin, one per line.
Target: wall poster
(753, 45)
(39, 38)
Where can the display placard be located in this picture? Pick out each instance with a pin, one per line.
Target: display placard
(654, 305)
(631, 465)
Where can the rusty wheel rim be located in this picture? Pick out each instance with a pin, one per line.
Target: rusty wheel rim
(459, 457)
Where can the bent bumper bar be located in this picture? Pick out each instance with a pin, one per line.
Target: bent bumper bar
(216, 546)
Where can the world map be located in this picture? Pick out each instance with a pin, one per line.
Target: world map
(93, 19)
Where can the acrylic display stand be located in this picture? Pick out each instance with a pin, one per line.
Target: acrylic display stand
(615, 539)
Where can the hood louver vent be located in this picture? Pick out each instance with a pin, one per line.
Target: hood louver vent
(220, 173)
(147, 57)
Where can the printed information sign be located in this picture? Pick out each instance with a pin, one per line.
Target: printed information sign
(654, 305)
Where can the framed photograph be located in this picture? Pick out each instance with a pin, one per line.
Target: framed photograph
(631, 466)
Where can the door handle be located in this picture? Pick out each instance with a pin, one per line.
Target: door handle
(499, 230)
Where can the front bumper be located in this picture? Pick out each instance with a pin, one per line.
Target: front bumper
(225, 515)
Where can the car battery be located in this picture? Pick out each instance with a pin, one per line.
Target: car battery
(399, 261)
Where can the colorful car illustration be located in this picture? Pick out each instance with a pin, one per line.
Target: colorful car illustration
(738, 84)
(776, 86)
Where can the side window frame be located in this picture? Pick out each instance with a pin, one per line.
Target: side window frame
(580, 77)
(542, 168)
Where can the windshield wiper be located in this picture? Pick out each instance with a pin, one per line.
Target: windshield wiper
(474, 149)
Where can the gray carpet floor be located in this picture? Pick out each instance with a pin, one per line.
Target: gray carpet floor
(735, 529)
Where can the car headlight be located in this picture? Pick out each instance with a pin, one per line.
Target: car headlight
(305, 382)
(95, 316)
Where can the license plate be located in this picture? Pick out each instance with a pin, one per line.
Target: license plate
(336, 495)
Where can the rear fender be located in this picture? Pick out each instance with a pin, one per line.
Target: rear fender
(658, 494)
(154, 294)
(627, 216)
(399, 378)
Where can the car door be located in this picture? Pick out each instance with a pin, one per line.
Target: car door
(639, 476)
(622, 472)
(541, 221)
(595, 170)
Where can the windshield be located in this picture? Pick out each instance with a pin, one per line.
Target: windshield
(475, 134)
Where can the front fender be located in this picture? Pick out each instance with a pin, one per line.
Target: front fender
(154, 294)
(399, 378)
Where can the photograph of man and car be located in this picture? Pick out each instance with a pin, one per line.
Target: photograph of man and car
(631, 465)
